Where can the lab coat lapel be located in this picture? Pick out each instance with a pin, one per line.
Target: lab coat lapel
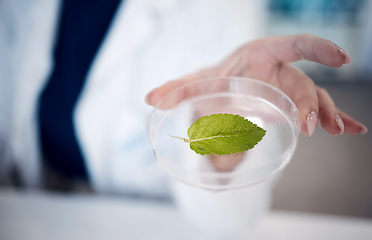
(132, 25)
(112, 76)
(134, 22)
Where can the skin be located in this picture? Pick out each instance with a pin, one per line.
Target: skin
(269, 60)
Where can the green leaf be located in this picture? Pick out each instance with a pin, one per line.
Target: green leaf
(223, 134)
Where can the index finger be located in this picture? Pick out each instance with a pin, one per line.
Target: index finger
(306, 46)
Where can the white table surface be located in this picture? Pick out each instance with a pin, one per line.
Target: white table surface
(56, 216)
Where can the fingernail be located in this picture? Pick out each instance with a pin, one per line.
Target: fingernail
(311, 121)
(340, 124)
(344, 53)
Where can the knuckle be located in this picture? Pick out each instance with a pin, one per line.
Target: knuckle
(306, 35)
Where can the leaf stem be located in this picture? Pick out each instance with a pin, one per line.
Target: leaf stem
(181, 138)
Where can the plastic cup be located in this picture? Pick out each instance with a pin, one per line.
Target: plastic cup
(259, 102)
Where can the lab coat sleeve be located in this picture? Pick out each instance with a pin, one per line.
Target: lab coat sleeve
(227, 212)
(238, 210)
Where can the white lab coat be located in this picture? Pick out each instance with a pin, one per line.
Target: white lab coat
(149, 43)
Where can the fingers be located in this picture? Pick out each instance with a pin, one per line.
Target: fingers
(335, 121)
(226, 163)
(352, 126)
(277, 49)
(306, 46)
(301, 89)
(154, 96)
(328, 113)
(314, 103)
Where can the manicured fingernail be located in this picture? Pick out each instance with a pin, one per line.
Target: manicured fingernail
(345, 53)
(311, 121)
(340, 124)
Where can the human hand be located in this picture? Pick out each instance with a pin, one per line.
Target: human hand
(269, 60)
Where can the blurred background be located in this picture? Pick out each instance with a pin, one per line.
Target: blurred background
(348, 23)
(329, 174)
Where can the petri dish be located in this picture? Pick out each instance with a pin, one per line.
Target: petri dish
(259, 102)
